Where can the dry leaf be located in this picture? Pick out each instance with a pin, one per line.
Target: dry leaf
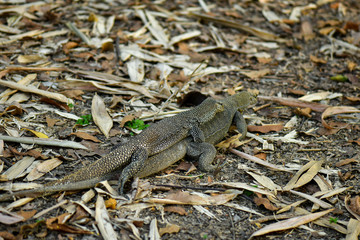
(299, 179)
(353, 229)
(18, 168)
(257, 73)
(336, 110)
(265, 128)
(290, 223)
(100, 116)
(43, 168)
(84, 135)
(24, 59)
(38, 134)
(346, 161)
(170, 228)
(176, 209)
(103, 220)
(259, 200)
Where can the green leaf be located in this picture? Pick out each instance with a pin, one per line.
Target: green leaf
(339, 78)
(84, 120)
(333, 220)
(248, 193)
(136, 124)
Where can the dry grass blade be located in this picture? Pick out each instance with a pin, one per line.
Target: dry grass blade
(264, 181)
(290, 223)
(313, 199)
(259, 161)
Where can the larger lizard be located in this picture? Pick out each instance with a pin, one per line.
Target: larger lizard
(213, 130)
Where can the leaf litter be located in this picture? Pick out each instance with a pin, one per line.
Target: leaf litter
(67, 68)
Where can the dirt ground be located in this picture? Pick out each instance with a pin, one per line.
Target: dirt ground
(140, 60)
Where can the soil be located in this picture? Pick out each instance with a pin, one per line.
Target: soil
(317, 52)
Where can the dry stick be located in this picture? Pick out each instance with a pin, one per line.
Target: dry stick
(43, 141)
(292, 102)
(31, 89)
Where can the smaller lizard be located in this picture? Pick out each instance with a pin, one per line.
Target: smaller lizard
(214, 130)
(130, 156)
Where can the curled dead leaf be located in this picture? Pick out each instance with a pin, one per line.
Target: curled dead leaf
(330, 111)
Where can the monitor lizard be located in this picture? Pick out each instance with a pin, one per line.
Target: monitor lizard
(218, 121)
(214, 131)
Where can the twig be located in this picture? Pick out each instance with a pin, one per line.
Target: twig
(192, 188)
(43, 141)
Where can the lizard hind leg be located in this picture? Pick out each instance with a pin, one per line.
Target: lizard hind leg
(136, 165)
(205, 153)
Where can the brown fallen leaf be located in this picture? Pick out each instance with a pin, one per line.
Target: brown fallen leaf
(256, 74)
(86, 136)
(330, 111)
(303, 112)
(346, 161)
(57, 104)
(265, 128)
(73, 93)
(290, 223)
(170, 228)
(176, 209)
(9, 218)
(259, 200)
(6, 235)
(307, 30)
(317, 60)
(126, 119)
(51, 121)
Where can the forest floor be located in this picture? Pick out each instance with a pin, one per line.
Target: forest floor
(79, 70)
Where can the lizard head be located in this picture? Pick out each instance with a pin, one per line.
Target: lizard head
(242, 100)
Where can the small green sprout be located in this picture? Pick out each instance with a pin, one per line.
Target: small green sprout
(136, 124)
(84, 120)
(333, 220)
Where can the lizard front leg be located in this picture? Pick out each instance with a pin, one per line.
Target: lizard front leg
(240, 123)
(204, 152)
(137, 163)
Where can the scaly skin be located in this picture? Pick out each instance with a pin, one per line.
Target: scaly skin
(130, 157)
(213, 129)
